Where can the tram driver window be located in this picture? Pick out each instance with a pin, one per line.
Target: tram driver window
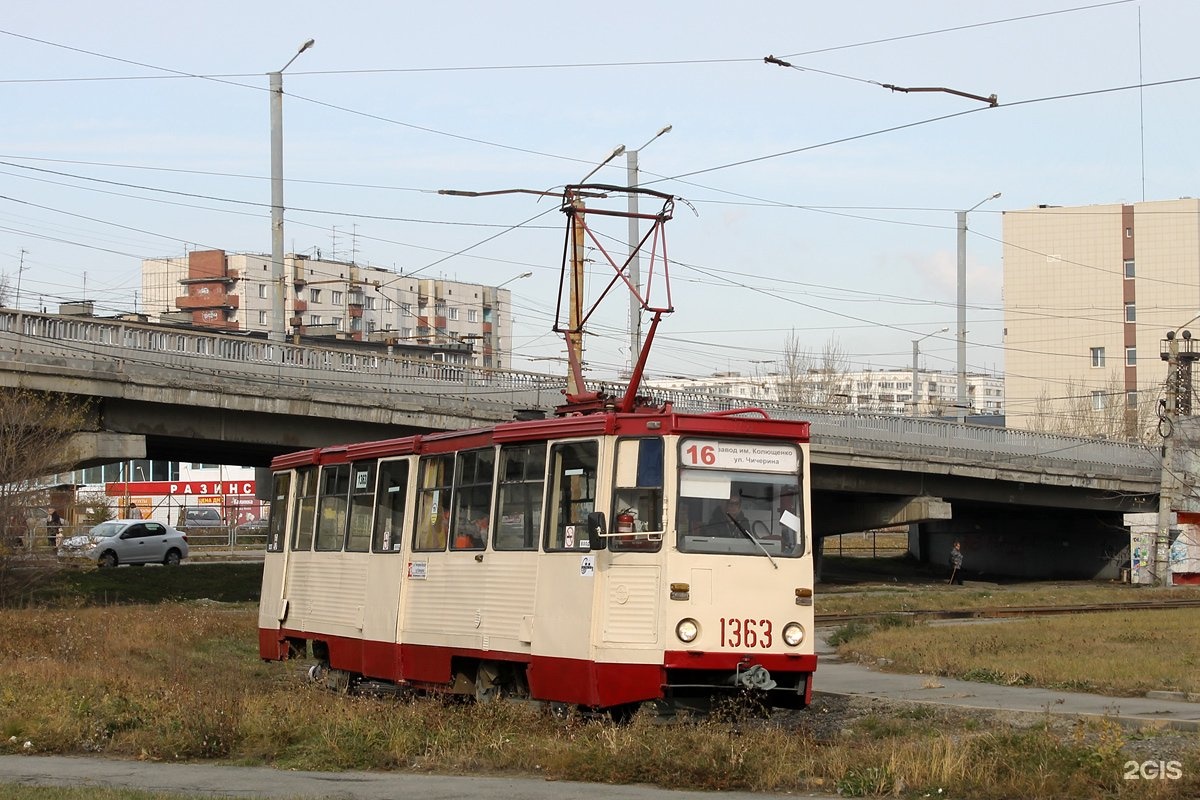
(519, 507)
(572, 495)
(433, 503)
(636, 517)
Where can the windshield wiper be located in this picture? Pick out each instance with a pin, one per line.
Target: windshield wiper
(750, 536)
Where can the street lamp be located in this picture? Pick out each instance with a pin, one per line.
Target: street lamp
(635, 258)
(962, 306)
(515, 278)
(276, 92)
(917, 352)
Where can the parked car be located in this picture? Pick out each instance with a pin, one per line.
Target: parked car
(254, 527)
(128, 541)
(201, 517)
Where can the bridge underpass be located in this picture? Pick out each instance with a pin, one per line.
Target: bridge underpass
(190, 396)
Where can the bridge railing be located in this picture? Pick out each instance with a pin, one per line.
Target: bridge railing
(306, 365)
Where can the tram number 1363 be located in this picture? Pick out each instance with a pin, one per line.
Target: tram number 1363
(746, 633)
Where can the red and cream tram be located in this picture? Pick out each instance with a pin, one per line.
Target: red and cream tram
(598, 560)
(618, 553)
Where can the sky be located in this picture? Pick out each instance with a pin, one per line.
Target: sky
(813, 204)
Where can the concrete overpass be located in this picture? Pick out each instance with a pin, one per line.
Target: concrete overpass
(178, 394)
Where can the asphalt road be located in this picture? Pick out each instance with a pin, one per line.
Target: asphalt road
(228, 781)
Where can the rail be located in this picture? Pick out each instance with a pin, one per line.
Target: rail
(307, 366)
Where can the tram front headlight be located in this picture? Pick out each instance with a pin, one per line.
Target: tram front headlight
(687, 630)
(793, 634)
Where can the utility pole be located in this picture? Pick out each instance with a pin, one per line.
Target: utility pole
(961, 411)
(277, 278)
(1178, 400)
(635, 258)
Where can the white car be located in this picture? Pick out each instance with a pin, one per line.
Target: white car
(128, 541)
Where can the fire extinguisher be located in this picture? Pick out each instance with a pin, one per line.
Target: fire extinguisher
(625, 521)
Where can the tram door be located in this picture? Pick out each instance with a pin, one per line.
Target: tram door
(385, 570)
(566, 581)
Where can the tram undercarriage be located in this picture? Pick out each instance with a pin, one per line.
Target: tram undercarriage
(684, 691)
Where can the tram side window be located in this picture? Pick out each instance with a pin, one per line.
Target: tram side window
(331, 507)
(473, 499)
(433, 502)
(519, 509)
(638, 503)
(281, 485)
(572, 494)
(390, 497)
(362, 504)
(306, 508)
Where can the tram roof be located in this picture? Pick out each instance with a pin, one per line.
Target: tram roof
(740, 423)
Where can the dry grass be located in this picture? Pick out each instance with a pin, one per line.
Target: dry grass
(1118, 653)
(183, 682)
(937, 596)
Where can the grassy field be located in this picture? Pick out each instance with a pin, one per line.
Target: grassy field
(93, 672)
(1119, 653)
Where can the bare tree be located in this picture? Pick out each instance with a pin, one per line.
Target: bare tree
(1091, 410)
(35, 434)
(815, 380)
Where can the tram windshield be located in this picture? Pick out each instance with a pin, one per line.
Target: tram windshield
(742, 513)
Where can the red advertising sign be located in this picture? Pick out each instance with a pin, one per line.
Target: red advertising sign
(179, 488)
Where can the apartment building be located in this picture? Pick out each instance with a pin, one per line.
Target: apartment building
(1089, 293)
(882, 391)
(234, 291)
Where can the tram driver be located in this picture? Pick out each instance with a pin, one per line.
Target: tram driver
(726, 518)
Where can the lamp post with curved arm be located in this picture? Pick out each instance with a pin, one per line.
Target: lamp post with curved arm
(276, 91)
(635, 258)
(962, 306)
(916, 352)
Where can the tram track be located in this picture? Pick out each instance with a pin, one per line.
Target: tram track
(1001, 612)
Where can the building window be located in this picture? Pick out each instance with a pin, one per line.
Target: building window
(337, 323)
(370, 327)
(1098, 401)
(262, 290)
(262, 318)
(406, 309)
(1131, 399)
(314, 319)
(1129, 272)
(1130, 312)
(1097, 356)
(314, 295)
(369, 303)
(388, 305)
(472, 315)
(336, 298)
(1131, 356)
(453, 313)
(439, 309)
(1129, 233)
(406, 333)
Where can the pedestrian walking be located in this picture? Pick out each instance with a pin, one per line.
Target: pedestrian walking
(54, 528)
(956, 562)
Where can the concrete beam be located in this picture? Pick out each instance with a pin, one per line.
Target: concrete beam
(94, 448)
(861, 514)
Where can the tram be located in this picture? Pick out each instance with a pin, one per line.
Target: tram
(617, 553)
